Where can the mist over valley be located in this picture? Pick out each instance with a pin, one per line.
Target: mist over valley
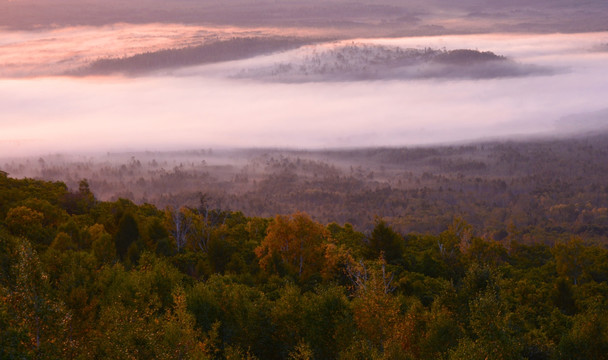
(241, 90)
(274, 84)
(304, 179)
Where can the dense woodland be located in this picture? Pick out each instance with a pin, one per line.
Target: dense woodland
(508, 260)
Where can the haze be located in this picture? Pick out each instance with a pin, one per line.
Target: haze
(93, 76)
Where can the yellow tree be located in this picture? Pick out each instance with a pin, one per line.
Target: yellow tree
(376, 311)
(41, 319)
(294, 243)
(569, 259)
(181, 340)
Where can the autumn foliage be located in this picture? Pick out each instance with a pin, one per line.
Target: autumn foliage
(293, 245)
(118, 280)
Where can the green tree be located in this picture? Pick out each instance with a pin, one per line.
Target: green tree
(104, 249)
(80, 202)
(562, 297)
(491, 336)
(63, 242)
(158, 237)
(127, 235)
(588, 337)
(328, 325)
(25, 222)
(137, 309)
(385, 240)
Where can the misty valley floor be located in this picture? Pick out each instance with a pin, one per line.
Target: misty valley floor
(493, 185)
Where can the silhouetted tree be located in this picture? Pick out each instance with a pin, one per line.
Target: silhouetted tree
(127, 235)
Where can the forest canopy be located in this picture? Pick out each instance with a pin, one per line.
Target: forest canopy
(84, 278)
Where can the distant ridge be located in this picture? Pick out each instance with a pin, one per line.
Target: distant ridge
(223, 50)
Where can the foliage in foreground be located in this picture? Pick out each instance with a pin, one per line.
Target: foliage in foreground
(86, 279)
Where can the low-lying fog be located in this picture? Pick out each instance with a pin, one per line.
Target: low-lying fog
(349, 93)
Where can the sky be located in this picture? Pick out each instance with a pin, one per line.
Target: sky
(294, 93)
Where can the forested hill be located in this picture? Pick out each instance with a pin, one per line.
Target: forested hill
(85, 279)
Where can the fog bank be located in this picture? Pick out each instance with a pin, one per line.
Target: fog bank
(206, 106)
